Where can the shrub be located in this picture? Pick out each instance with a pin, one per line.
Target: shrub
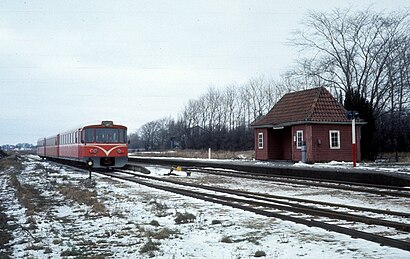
(154, 223)
(260, 254)
(216, 222)
(182, 218)
(226, 240)
(159, 208)
(164, 233)
(149, 247)
(71, 252)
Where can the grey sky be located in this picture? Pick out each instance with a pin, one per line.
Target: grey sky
(64, 63)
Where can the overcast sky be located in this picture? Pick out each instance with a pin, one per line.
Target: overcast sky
(65, 63)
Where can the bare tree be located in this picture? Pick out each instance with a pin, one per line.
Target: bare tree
(350, 50)
(361, 55)
(149, 132)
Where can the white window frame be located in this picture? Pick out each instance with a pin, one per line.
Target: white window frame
(260, 140)
(338, 139)
(299, 143)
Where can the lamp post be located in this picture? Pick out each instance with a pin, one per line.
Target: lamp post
(353, 115)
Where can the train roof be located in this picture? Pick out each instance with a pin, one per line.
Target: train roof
(104, 123)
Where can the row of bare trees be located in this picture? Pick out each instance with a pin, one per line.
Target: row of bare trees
(218, 119)
(362, 57)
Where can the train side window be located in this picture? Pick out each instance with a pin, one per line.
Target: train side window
(76, 137)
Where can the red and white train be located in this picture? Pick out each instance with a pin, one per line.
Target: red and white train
(99, 145)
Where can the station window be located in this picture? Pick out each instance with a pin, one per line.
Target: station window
(299, 139)
(260, 140)
(334, 139)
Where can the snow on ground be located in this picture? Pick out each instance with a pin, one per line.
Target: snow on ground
(57, 212)
(380, 167)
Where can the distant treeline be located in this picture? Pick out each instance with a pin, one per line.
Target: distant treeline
(362, 57)
(19, 146)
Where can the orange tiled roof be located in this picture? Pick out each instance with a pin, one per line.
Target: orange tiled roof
(313, 105)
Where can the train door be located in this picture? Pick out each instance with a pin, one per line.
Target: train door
(78, 142)
(44, 147)
(58, 145)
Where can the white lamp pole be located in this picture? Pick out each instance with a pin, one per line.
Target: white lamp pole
(354, 156)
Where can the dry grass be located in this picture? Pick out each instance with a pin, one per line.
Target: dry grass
(12, 161)
(83, 196)
(28, 196)
(5, 234)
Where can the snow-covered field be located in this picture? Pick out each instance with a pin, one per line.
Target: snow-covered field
(55, 211)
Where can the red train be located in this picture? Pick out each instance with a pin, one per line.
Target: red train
(100, 146)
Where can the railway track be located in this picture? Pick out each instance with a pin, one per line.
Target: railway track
(366, 188)
(394, 233)
(350, 176)
(296, 210)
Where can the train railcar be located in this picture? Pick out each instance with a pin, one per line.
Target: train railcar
(101, 145)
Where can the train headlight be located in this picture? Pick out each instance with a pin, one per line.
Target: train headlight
(119, 151)
(93, 151)
(90, 163)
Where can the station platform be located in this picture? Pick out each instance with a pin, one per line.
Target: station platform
(370, 174)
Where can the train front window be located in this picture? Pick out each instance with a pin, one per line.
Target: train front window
(106, 135)
(123, 136)
(89, 135)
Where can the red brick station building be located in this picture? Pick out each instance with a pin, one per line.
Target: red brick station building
(311, 117)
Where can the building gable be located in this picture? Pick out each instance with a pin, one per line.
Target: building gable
(312, 105)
